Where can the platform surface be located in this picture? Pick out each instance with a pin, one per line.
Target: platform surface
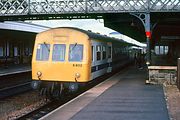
(125, 96)
(14, 69)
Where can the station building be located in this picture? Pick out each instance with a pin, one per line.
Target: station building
(17, 41)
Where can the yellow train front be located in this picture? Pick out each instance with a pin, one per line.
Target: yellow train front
(65, 58)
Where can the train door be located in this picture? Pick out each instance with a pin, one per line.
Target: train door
(109, 55)
(93, 46)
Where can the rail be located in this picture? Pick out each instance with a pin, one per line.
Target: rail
(162, 74)
(13, 90)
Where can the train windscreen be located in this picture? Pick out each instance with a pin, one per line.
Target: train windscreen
(59, 52)
(43, 52)
(76, 52)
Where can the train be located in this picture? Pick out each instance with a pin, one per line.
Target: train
(66, 58)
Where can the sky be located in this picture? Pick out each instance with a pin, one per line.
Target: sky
(86, 24)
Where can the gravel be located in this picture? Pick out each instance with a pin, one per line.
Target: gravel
(172, 94)
(16, 106)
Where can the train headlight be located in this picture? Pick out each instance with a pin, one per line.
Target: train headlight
(39, 74)
(77, 75)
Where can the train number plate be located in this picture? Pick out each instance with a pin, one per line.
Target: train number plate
(77, 65)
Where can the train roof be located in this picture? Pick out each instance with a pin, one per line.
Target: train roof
(94, 35)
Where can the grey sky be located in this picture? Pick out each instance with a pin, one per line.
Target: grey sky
(86, 24)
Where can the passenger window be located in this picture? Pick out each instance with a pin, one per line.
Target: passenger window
(92, 53)
(109, 52)
(43, 52)
(98, 52)
(59, 52)
(104, 52)
(76, 52)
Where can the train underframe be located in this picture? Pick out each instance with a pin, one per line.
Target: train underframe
(55, 89)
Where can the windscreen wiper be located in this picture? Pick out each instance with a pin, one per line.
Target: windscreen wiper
(46, 46)
(73, 47)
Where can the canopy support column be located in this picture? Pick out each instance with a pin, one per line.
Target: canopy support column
(145, 19)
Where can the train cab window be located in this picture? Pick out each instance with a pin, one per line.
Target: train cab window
(161, 50)
(42, 53)
(104, 52)
(98, 52)
(59, 52)
(109, 52)
(76, 52)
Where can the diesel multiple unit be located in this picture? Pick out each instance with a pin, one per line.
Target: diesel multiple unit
(66, 58)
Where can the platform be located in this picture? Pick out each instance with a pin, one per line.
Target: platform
(14, 69)
(124, 96)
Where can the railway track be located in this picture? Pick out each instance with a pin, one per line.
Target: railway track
(14, 83)
(38, 113)
(8, 80)
(14, 90)
(42, 111)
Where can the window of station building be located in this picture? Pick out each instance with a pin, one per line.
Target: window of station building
(104, 52)
(166, 48)
(161, 50)
(1, 51)
(7, 49)
(26, 51)
(76, 52)
(58, 52)
(16, 51)
(42, 53)
(98, 52)
(109, 52)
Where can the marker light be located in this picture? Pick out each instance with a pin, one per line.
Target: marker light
(77, 75)
(39, 74)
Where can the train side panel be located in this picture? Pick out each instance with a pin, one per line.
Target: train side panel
(100, 58)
